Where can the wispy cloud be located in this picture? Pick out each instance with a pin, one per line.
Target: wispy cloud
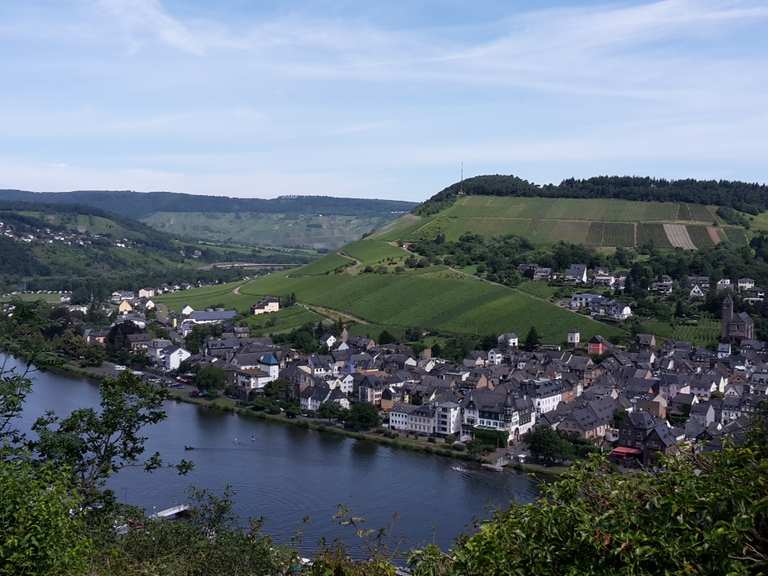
(213, 96)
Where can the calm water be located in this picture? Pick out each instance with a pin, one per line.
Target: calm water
(285, 474)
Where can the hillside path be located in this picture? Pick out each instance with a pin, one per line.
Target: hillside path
(333, 314)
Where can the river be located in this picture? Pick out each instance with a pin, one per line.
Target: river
(286, 474)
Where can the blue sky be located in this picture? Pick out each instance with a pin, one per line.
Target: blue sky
(376, 99)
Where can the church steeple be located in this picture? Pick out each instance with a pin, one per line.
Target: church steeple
(726, 317)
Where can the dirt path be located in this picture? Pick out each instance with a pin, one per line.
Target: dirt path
(333, 314)
(236, 291)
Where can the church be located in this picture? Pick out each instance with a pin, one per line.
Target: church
(735, 326)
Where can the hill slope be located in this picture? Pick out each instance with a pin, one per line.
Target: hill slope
(591, 222)
(46, 246)
(744, 196)
(368, 284)
(307, 221)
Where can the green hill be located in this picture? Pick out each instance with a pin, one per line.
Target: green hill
(367, 283)
(595, 222)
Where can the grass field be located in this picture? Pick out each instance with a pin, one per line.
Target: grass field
(601, 223)
(373, 251)
(437, 299)
(324, 265)
(283, 321)
(201, 298)
(705, 332)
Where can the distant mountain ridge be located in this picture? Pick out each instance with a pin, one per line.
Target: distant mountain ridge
(140, 205)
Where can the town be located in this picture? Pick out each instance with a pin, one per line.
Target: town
(635, 401)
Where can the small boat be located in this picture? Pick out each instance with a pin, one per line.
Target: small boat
(172, 513)
(189, 447)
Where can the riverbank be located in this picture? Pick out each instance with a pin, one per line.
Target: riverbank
(228, 405)
(325, 426)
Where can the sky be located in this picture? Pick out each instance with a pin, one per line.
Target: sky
(259, 98)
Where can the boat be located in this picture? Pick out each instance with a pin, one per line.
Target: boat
(173, 512)
(189, 447)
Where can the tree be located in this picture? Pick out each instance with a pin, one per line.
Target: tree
(13, 391)
(210, 380)
(362, 416)
(94, 444)
(597, 522)
(41, 523)
(331, 411)
(386, 337)
(547, 446)
(532, 339)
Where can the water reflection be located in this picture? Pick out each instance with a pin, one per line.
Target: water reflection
(285, 474)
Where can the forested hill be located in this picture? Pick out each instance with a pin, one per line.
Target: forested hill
(142, 204)
(747, 197)
(27, 217)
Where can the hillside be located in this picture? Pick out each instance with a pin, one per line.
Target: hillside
(367, 283)
(592, 222)
(743, 196)
(45, 246)
(297, 221)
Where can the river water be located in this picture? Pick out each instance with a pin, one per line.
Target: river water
(287, 474)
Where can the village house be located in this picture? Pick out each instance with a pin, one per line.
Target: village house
(576, 274)
(266, 305)
(147, 293)
(173, 356)
(597, 346)
(744, 284)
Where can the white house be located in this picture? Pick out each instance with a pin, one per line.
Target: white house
(580, 300)
(602, 278)
(417, 419)
(508, 340)
(724, 284)
(696, 292)
(495, 357)
(187, 310)
(173, 357)
(745, 283)
(329, 340)
(266, 306)
(574, 337)
(149, 305)
(147, 293)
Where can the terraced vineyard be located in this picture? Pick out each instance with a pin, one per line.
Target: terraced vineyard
(594, 222)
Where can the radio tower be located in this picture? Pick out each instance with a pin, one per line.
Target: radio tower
(461, 181)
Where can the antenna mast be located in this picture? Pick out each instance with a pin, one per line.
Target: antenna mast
(461, 182)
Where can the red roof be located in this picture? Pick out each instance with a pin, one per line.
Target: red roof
(625, 451)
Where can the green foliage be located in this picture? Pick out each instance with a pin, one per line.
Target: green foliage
(210, 544)
(362, 416)
(549, 446)
(94, 444)
(331, 411)
(210, 380)
(699, 516)
(41, 529)
(386, 337)
(532, 339)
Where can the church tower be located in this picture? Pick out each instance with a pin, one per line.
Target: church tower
(726, 317)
